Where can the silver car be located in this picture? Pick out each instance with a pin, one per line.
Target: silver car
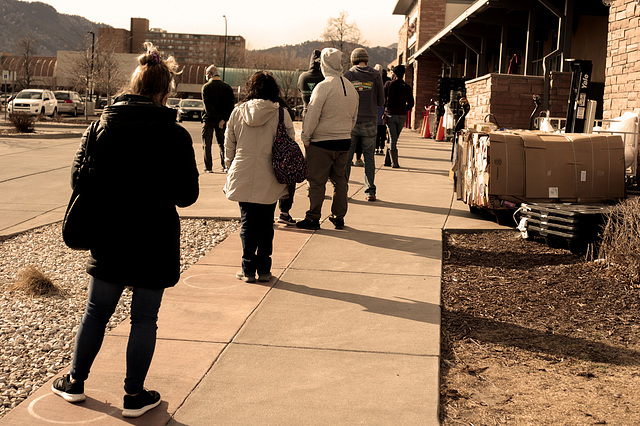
(69, 102)
(34, 101)
(190, 109)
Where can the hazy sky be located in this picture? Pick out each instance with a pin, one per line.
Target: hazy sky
(263, 23)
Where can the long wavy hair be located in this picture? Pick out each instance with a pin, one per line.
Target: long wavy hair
(262, 85)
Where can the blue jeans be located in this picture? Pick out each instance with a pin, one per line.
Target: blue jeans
(366, 133)
(395, 123)
(256, 234)
(102, 302)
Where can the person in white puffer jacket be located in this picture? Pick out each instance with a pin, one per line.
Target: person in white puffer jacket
(251, 180)
(326, 133)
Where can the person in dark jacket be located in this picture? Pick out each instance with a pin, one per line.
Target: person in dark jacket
(136, 239)
(368, 82)
(219, 101)
(399, 96)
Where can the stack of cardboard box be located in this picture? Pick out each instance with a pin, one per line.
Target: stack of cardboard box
(498, 170)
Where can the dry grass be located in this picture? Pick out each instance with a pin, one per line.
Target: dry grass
(621, 238)
(33, 282)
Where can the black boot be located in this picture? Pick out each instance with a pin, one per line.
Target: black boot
(387, 159)
(394, 159)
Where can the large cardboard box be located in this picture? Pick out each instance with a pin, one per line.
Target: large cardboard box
(573, 167)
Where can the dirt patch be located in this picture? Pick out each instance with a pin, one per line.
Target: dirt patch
(536, 335)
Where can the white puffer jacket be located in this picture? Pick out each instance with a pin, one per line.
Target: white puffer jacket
(247, 145)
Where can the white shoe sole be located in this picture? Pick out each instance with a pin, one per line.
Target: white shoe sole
(69, 397)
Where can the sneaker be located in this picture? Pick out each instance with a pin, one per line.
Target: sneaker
(68, 390)
(371, 197)
(308, 224)
(137, 405)
(264, 278)
(359, 163)
(286, 219)
(338, 222)
(246, 278)
(207, 171)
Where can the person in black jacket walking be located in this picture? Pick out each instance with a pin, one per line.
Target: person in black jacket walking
(136, 239)
(219, 101)
(399, 101)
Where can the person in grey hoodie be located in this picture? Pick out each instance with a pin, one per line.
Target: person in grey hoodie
(326, 134)
(368, 82)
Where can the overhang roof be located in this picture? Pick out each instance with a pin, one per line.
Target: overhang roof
(402, 7)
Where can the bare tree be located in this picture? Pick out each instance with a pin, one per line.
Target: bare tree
(26, 49)
(79, 69)
(108, 75)
(340, 32)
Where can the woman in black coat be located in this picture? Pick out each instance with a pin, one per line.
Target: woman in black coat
(144, 166)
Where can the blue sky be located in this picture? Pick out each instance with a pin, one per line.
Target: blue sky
(264, 23)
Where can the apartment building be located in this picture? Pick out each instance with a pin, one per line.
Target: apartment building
(185, 48)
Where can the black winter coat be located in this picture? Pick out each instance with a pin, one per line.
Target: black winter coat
(144, 167)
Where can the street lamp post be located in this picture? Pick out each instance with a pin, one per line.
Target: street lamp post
(93, 44)
(224, 58)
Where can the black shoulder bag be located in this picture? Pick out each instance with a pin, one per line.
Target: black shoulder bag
(79, 217)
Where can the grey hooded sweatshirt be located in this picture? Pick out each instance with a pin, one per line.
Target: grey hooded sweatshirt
(368, 82)
(333, 108)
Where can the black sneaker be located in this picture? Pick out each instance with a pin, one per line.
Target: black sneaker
(264, 278)
(137, 405)
(246, 278)
(286, 219)
(308, 224)
(338, 222)
(69, 391)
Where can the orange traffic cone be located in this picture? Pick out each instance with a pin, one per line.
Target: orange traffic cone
(426, 131)
(440, 135)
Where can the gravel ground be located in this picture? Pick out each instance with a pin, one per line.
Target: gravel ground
(37, 333)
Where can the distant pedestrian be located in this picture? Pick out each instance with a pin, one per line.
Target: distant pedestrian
(251, 180)
(381, 138)
(218, 100)
(368, 82)
(399, 96)
(136, 239)
(326, 133)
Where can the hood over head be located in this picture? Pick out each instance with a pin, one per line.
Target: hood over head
(314, 62)
(257, 112)
(331, 62)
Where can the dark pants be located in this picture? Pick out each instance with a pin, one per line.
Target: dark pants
(323, 165)
(101, 304)
(382, 136)
(256, 234)
(286, 203)
(209, 128)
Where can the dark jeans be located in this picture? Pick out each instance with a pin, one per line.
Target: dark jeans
(382, 136)
(209, 128)
(256, 234)
(102, 302)
(286, 203)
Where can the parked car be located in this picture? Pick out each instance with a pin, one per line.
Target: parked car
(173, 102)
(190, 109)
(34, 101)
(69, 102)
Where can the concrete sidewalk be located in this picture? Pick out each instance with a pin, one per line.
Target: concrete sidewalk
(348, 330)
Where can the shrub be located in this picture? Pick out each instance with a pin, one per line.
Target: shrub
(22, 122)
(621, 238)
(34, 283)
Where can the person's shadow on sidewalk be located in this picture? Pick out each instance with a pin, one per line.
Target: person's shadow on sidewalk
(399, 307)
(424, 247)
(443, 211)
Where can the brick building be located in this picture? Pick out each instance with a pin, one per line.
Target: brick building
(185, 48)
(507, 51)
